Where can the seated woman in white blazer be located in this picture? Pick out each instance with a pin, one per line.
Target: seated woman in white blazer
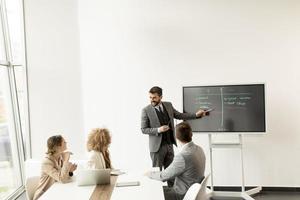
(98, 142)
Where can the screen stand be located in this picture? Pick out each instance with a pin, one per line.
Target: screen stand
(244, 194)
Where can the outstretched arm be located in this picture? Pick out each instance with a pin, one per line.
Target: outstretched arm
(179, 115)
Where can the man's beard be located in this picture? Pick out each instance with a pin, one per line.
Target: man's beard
(154, 103)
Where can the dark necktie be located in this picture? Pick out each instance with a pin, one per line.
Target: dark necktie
(160, 110)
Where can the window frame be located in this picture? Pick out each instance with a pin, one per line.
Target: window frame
(22, 140)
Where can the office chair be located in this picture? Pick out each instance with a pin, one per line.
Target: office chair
(198, 191)
(30, 186)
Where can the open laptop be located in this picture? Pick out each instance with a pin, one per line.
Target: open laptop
(93, 177)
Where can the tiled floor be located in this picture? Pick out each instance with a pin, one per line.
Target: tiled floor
(278, 196)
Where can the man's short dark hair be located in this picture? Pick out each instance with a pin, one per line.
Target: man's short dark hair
(184, 132)
(156, 90)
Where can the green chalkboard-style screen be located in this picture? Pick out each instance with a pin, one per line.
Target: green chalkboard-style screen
(236, 108)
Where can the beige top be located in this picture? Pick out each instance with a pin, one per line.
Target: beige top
(96, 160)
(52, 170)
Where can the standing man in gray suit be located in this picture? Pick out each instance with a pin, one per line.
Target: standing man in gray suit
(187, 168)
(158, 123)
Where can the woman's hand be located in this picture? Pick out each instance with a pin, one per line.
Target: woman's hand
(73, 167)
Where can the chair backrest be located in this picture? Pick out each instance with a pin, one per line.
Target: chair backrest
(192, 192)
(32, 168)
(30, 186)
(202, 194)
(197, 191)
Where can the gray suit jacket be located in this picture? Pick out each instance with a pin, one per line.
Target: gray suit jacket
(150, 123)
(187, 168)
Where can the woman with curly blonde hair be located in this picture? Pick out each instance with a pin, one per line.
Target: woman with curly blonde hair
(98, 142)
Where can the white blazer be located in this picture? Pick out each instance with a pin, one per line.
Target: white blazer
(96, 160)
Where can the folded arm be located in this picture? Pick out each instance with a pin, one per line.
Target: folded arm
(145, 125)
(61, 175)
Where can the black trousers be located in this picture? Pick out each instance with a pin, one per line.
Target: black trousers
(163, 158)
(170, 194)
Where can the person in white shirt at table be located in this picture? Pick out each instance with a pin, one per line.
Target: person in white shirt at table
(98, 142)
(187, 167)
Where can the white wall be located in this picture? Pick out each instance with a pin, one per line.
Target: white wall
(129, 46)
(52, 38)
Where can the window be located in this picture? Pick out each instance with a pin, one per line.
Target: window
(14, 126)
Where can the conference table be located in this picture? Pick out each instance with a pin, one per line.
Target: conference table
(147, 190)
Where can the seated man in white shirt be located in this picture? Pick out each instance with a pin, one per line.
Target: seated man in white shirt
(187, 167)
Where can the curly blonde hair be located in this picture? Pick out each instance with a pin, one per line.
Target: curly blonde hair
(98, 140)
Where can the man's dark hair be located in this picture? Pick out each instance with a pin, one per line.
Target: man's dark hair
(156, 90)
(184, 132)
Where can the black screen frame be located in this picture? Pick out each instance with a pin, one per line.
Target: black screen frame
(232, 85)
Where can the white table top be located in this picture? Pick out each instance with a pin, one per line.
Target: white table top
(148, 189)
(68, 191)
